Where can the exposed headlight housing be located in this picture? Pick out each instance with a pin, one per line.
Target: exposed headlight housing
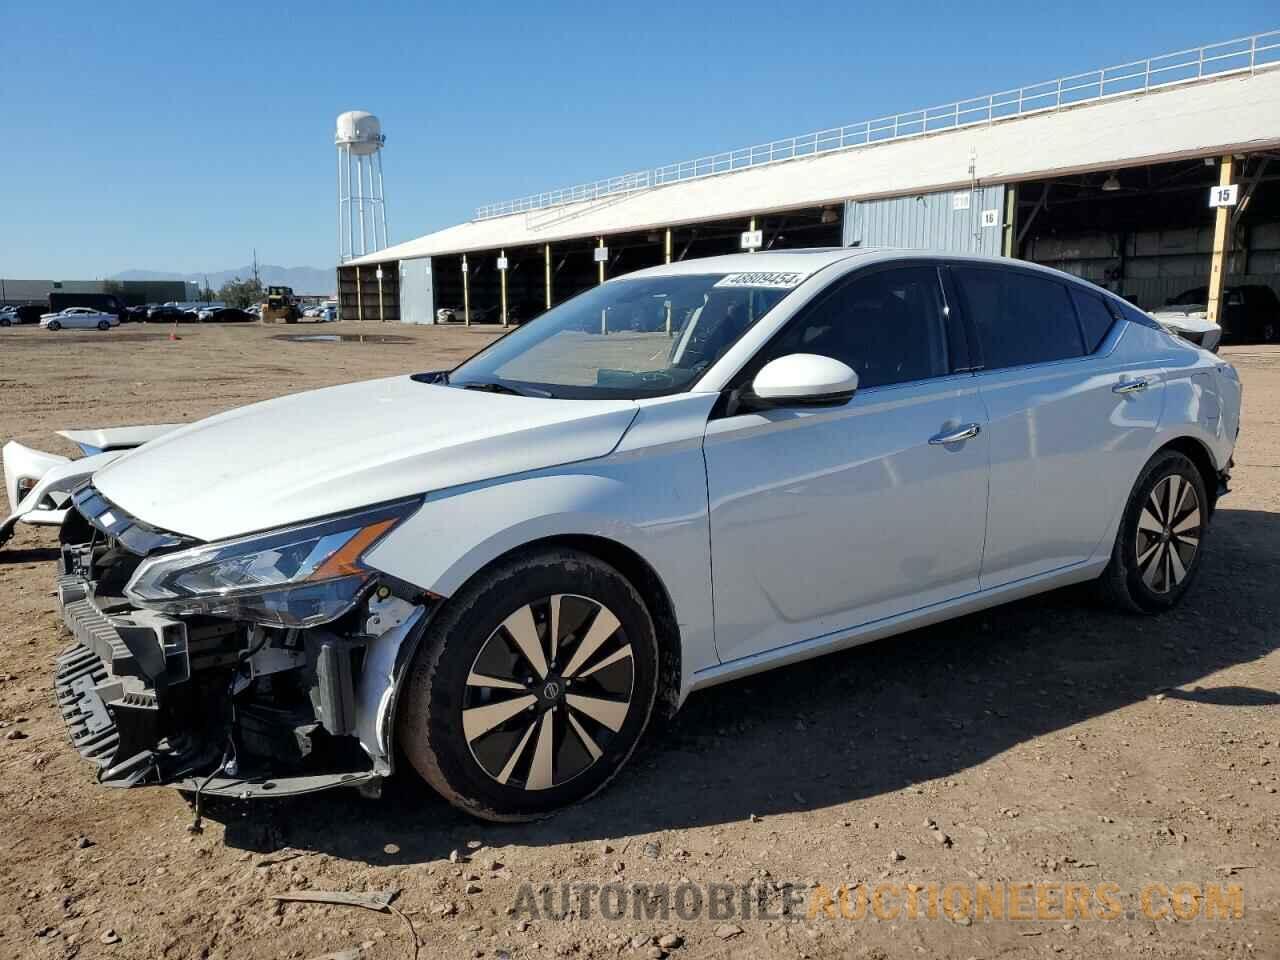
(300, 576)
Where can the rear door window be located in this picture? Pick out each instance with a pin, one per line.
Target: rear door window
(1020, 318)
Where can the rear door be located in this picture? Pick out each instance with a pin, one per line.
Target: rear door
(1072, 415)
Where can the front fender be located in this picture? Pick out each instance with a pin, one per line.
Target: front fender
(654, 507)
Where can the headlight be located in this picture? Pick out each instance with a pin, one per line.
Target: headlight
(297, 577)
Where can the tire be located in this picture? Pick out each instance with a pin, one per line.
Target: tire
(1155, 558)
(1270, 333)
(4, 321)
(104, 324)
(54, 325)
(548, 752)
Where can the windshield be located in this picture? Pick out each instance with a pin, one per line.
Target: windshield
(628, 339)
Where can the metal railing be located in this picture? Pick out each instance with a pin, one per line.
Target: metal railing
(1245, 54)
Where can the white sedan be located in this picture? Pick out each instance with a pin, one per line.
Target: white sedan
(502, 571)
(79, 317)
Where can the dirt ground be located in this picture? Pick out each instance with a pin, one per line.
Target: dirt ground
(1044, 743)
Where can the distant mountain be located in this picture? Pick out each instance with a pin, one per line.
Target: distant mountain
(302, 279)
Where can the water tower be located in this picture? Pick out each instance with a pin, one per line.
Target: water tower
(362, 212)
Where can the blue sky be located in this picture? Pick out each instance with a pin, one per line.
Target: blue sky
(179, 137)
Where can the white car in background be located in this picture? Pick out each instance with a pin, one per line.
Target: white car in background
(1190, 320)
(501, 571)
(79, 318)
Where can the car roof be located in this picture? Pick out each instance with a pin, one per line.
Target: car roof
(810, 261)
(807, 262)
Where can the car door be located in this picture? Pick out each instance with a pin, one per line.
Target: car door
(1072, 415)
(826, 518)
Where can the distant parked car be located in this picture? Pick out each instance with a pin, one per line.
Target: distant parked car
(135, 314)
(458, 315)
(1250, 313)
(171, 313)
(79, 317)
(229, 315)
(27, 313)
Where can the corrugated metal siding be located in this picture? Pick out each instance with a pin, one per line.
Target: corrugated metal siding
(951, 220)
(417, 297)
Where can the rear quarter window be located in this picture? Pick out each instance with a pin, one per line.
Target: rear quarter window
(1095, 318)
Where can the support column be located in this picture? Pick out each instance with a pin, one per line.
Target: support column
(667, 246)
(1010, 229)
(1221, 246)
(752, 227)
(503, 280)
(546, 269)
(466, 293)
(382, 316)
(600, 265)
(359, 297)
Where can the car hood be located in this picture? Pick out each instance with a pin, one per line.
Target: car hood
(325, 451)
(1190, 318)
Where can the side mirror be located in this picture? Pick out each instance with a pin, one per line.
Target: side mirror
(804, 378)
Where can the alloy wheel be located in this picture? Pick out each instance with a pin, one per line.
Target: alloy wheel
(549, 689)
(1168, 535)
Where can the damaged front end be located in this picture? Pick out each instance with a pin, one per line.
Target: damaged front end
(265, 665)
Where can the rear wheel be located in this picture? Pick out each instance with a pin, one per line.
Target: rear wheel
(532, 687)
(1157, 550)
(104, 324)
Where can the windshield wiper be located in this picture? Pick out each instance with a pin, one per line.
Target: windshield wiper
(495, 387)
(491, 388)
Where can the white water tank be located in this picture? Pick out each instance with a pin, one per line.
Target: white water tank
(359, 131)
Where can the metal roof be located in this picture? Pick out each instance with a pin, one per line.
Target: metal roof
(1236, 113)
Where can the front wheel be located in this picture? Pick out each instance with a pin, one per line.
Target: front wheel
(1157, 550)
(54, 325)
(532, 686)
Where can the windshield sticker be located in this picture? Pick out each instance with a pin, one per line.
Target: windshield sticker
(771, 281)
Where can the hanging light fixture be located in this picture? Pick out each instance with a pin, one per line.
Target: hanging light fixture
(1111, 184)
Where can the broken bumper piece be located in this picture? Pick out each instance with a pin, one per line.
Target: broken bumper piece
(114, 686)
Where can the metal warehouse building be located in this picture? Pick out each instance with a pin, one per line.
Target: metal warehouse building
(1151, 178)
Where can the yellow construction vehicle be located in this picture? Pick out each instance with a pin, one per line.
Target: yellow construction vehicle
(280, 304)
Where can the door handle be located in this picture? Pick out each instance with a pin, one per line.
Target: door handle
(967, 432)
(1131, 386)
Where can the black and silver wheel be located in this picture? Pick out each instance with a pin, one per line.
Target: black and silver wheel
(1157, 549)
(54, 325)
(104, 324)
(532, 687)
